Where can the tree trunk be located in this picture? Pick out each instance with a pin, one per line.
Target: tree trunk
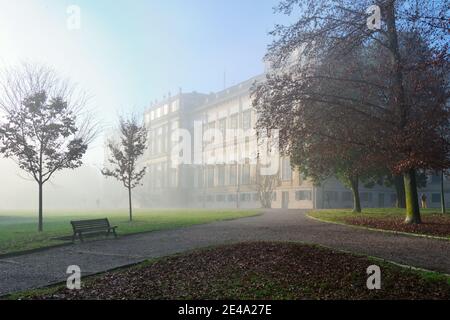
(399, 184)
(354, 182)
(412, 198)
(442, 193)
(40, 218)
(266, 199)
(130, 204)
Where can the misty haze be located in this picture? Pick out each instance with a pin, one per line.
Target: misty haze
(227, 152)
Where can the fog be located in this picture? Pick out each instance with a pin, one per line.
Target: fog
(83, 188)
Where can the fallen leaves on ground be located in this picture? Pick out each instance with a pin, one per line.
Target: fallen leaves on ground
(435, 225)
(257, 271)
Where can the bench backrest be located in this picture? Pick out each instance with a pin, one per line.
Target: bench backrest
(90, 224)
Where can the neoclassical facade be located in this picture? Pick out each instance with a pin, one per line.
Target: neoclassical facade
(191, 176)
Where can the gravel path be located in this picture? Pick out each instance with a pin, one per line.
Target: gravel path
(49, 266)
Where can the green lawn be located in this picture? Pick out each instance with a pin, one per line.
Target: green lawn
(18, 230)
(433, 222)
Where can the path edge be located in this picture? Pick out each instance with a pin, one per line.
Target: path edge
(418, 235)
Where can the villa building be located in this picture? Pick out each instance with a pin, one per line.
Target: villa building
(231, 184)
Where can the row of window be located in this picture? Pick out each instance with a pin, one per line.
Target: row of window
(233, 124)
(243, 197)
(219, 172)
(303, 195)
(347, 196)
(163, 111)
(435, 197)
(245, 175)
(162, 176)
(158, 138)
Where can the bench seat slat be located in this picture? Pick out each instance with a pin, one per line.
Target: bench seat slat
(91, 226)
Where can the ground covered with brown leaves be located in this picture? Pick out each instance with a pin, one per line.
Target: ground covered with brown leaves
(433, 225)
(256, 271)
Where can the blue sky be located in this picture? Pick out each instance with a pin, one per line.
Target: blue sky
(128, 53)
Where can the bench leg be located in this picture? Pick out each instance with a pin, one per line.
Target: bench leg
(115, 234)
(81, 237)
(74, 237)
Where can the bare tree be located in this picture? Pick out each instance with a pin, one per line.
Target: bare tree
(266, 186)
(125, 155)
(45, 127)
(266, 181)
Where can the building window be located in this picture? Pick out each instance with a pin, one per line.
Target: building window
(274, 196)
(234, 121)
(286, 174)
(223, 126)
(164, 180)
(211, 125)
(150, 142)
(256, 197)
(173, 177)
(331, 196)
(246, 174)
(210, 177)
(233, 172)
(366, 197)
(435, 178)
(220, 198)
(199, 181)
(436, 197)
(159, 176)
(175, 106)
(232, 198)
(247, 120)
(303, 195)
(300, 178)
(393, 199)
(347, 196)
(159, 140)
(245, 197)
(164, 139)
(221, 175)
(247, 148)
(210, 133)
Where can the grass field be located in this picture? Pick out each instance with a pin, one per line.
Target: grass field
(434, 223)
(18, 230)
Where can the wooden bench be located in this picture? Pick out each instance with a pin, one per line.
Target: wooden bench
(91, 227)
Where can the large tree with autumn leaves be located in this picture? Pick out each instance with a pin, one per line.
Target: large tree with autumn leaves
(339, 86)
